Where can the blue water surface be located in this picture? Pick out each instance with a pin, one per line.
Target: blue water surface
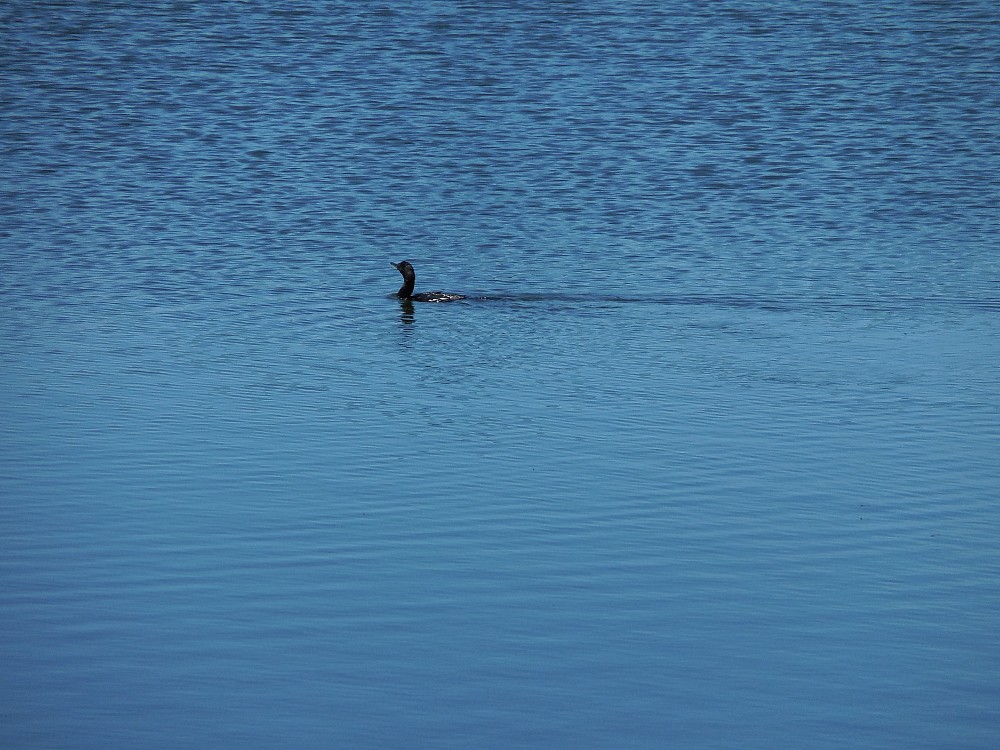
(707, 458)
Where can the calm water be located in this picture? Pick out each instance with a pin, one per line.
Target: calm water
(708, 459)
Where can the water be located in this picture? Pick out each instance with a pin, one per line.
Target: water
(707, 460)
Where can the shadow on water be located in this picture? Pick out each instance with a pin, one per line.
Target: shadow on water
(777, 304)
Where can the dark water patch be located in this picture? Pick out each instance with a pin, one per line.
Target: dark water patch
(913, 305)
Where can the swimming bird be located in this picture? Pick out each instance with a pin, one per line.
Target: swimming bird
(409, 279)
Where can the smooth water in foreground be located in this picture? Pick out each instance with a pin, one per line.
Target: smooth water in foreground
(708, 457)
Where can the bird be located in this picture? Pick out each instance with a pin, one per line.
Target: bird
(409, 279)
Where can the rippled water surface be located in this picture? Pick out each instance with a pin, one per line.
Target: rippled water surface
(708, 457)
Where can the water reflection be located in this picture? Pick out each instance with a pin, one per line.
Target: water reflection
(406, 311)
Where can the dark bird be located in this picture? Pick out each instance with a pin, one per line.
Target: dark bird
(410, 278)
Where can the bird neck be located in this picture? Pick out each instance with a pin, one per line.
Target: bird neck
(407, 289)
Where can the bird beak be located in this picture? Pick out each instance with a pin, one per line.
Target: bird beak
(394, 265)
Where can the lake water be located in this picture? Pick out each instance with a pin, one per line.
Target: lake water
(708, 458)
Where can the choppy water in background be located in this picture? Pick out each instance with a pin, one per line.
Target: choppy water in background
(709, 460)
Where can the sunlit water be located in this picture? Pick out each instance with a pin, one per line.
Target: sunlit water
(707, 459)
